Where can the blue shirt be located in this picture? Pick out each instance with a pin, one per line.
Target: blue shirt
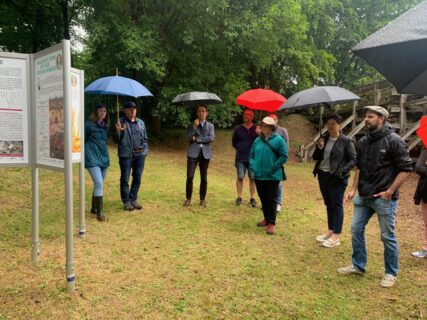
(242, 141)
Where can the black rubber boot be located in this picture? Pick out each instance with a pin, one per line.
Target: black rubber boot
(93, 209)
(100, 208)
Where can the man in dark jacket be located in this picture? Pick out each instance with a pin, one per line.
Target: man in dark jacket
(383, 164)
(133, 148)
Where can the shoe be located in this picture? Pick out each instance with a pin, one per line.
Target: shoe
(187, 203)
(239, 201)
(420, 254)
(262, 223)
(350, 270)
(322, 238)
(128, 206)
(270, 229)
(203, 203)
(252, 202)
(388, 281)
(136, 205)
(331, 243)
(278, 208)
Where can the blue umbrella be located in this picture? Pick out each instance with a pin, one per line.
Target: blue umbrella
(120, 86)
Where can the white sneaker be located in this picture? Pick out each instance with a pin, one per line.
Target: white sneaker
(331, 243)
(278, 208)
(388, 281)
(420, 254)
(350, 270)
(322, 238)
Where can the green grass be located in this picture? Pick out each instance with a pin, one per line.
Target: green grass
(169, 262)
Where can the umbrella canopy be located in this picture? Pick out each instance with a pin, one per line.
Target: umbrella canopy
(118, 85)
(422, 130)
(196, 97)
(398, 51)
(261, 99)
(316, 96)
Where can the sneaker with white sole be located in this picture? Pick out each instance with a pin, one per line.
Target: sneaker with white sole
(420, 254)
(388, 281)
(329, 243)
(322, 238)
(350, 270)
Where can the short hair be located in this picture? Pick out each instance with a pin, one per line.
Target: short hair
(201, 105)
(249, 110)
(334, 116)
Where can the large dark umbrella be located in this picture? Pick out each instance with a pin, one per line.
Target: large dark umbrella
(196, 97)
(317, 96)
(399, 51)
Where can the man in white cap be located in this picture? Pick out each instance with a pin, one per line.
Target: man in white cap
(383, 163)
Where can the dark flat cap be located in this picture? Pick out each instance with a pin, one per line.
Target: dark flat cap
(129, 104)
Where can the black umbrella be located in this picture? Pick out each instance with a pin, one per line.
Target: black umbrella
(399, 51)
(196, 97)
(316, 96)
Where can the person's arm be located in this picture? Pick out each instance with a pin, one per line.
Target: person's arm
(403, 164)
(350, 194)
(145, 139)
(400, 178)
(283, 154)
(318, 152)
(350, 158)
(252, 155)
(421, 165)
(234, 138)
(192, 134)
(209, 137)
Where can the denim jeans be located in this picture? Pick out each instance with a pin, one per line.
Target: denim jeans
(136, 165)
(98, 176)
(364, 208)
(241, 168)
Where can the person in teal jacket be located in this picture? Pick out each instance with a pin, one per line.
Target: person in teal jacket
(97, 159)
(268, 155)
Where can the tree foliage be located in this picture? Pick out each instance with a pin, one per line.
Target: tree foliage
(222, 46)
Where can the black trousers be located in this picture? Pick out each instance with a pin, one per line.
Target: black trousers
(191, 170)
(267, 192)
(332, 190)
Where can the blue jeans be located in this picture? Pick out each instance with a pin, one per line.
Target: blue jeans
(136, 165)
(364, 208)
(98, 176)
(241, 168)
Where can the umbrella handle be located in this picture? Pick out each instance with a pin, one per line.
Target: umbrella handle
(118, 116)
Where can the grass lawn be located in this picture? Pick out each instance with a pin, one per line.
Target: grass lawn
(170, 262)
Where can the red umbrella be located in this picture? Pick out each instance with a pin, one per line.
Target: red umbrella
(261, 99)
(422, 130)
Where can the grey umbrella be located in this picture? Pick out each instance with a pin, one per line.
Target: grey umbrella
(399, 51)
(194, 97)
(316, 96)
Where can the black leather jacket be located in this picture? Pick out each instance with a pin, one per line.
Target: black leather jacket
(381, 156)
(342, 158)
